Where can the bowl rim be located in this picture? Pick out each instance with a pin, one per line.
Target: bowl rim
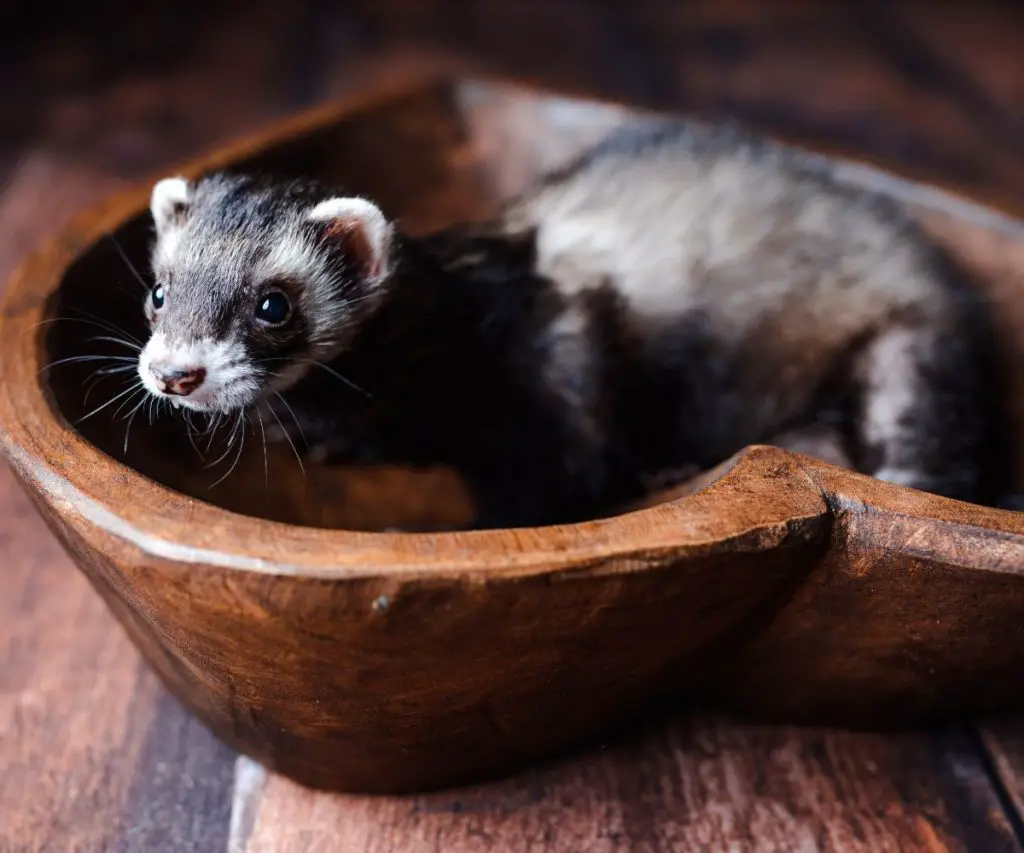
(62, 464)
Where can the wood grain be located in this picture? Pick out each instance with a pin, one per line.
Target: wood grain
(545, 636)
(1001, 741)
(703, 784)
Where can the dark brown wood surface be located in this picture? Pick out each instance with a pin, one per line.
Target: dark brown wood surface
(94, 756)
(702, 784)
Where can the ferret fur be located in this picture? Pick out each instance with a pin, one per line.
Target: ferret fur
(679, 291)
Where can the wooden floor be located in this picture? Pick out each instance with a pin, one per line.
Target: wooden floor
(95, 756)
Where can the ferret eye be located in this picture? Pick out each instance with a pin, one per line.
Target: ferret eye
(273, 308)
(157, 297)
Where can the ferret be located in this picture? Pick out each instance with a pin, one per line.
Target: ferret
(677, 292)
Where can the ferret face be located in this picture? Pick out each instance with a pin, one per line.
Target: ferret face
(254, 284)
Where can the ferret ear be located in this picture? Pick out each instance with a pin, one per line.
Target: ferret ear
(361, 229)
(169, 202)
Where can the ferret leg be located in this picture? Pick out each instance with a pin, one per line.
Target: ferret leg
(919, 420)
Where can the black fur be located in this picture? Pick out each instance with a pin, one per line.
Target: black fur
(454, 367)
(452, 377)
(457, 376)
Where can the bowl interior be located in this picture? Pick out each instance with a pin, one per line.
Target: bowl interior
(441, 154)
(435, 156)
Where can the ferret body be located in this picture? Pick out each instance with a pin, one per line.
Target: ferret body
(678, 292)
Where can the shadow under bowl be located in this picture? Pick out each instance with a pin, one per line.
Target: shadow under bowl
(276, 609)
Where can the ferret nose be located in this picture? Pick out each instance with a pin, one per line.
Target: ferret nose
(175, 381)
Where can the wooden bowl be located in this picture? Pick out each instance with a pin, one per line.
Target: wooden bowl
(275, 608)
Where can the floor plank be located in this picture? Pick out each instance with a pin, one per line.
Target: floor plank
(182, 786)
(695, 785)
(61, 660)
(95, 755)
(836, 74)
(1003, 741)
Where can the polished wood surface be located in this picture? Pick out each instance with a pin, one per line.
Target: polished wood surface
(727, 596)
(92, 785)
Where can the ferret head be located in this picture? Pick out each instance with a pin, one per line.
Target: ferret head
(254, 282)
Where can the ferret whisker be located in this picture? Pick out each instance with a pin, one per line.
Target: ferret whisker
(191, 432)
(266, 461)
(127, 402)
(237, 428)
(227, 448)
(131, 419)
(93, 382)
(192, 435)
(212, 430)
(119, 341)
(287, 435)
(106, 324)
(51, 320)
(89, 320)
(138, 405)
(323, 366)
(242, 420)
(232, 433)
(348, 302)
(241, 447)
(113, 371)
(78, 359)
(212, 423)
(127, 260)
(97, 376)
(112, 400)
(219, 459)
(89, 389)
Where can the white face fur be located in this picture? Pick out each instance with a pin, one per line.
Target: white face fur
(252, 283)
